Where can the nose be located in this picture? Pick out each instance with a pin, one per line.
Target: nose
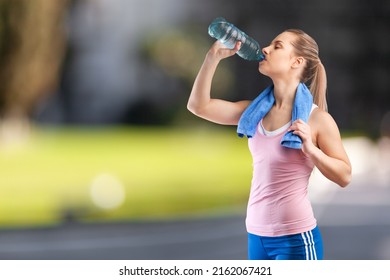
(265, 50)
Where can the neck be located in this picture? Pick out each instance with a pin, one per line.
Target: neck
(284, 92)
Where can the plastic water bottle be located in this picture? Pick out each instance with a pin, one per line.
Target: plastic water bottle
(229, 34)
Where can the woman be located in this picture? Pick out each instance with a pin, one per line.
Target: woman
(280, 220)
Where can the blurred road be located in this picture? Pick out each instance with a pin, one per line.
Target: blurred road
(355, 225)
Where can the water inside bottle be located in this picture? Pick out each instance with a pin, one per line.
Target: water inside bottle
(228, 34)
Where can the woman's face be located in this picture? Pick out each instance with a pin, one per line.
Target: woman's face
(279, 56)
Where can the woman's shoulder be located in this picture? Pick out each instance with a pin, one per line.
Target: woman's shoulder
(319, 114)
(322, 120)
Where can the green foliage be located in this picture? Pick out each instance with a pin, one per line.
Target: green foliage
(163, 173)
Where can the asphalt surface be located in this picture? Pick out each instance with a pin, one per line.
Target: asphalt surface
(355, 225)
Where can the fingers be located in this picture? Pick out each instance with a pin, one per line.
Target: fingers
(237, 47)
(296, 124)
(222, 51)
(219, 44)
(303, 130)
(300, 128)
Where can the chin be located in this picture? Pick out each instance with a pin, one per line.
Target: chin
(261, 71)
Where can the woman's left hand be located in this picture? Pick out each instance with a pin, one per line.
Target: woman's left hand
(302, 129)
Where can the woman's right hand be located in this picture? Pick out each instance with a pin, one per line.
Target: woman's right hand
(219, 51)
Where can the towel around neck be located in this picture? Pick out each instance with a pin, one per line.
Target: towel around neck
(263, 103)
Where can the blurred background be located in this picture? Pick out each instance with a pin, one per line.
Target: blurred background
(99, 157)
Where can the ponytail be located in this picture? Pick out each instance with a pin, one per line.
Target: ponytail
(314, 72)
(318, 86)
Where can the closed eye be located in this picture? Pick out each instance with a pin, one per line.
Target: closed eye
(278, 44)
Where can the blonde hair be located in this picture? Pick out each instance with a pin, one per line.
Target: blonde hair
(314, 72)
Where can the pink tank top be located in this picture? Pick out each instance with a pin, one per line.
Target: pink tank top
(278, 202)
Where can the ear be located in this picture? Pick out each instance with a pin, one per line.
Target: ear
(299, 61)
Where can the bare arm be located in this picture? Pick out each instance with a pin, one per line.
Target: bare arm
(200, 102)
(329, 155)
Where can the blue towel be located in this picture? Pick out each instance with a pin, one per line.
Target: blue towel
(263, 103)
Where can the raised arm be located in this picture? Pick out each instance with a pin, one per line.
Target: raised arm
(200, 102)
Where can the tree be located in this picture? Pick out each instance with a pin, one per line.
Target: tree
(32, 45)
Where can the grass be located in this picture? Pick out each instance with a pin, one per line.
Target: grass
(162, 172)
